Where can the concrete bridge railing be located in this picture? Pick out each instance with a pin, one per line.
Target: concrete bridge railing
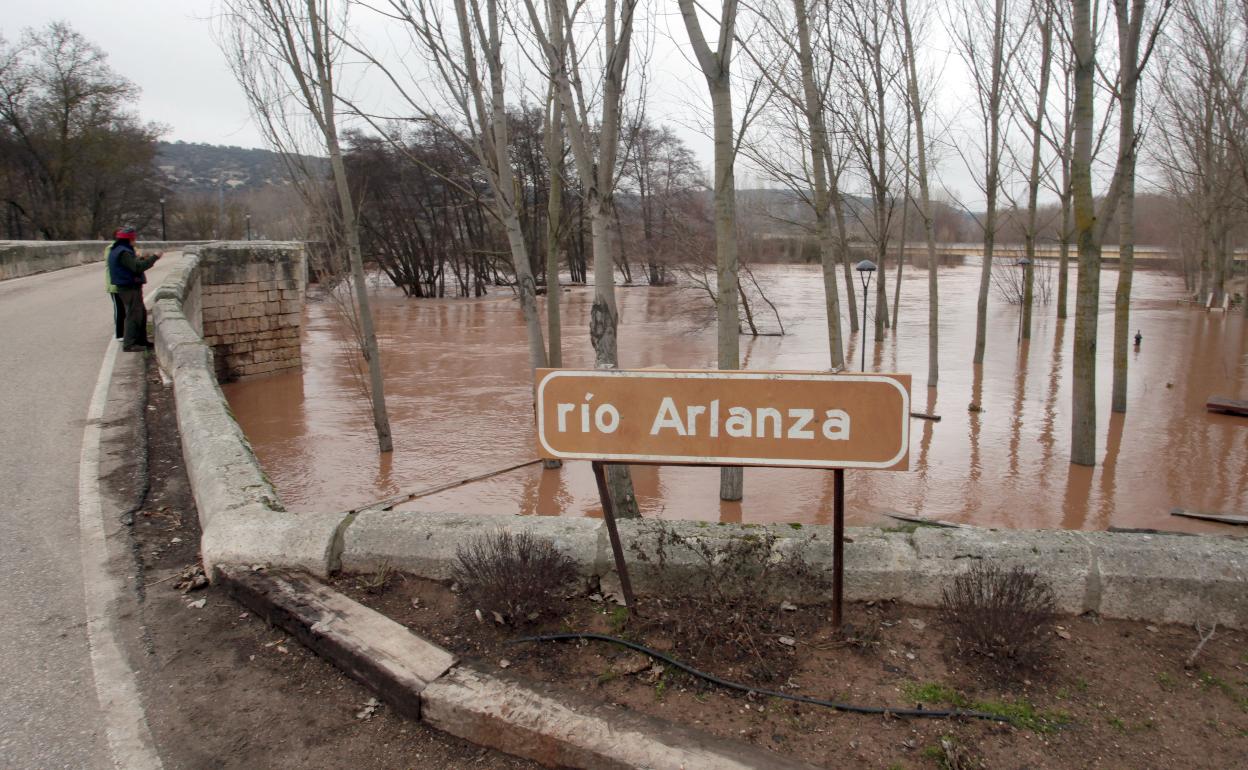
(1157, 578)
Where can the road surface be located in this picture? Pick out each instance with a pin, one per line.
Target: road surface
(54, 331)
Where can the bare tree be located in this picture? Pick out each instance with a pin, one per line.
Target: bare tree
(917, 114)
(466, 56)
(283, 54)
(1089, 227)
(1035, 122)
(979, 31)
(595, 149)
(1129, 17)
(716, 66)
(1083, 390)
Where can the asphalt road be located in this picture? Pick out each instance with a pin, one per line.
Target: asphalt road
(54, 330)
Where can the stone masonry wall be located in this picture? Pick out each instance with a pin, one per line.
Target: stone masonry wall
(251, 298)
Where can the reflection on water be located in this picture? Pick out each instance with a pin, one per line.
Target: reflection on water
(459, 394)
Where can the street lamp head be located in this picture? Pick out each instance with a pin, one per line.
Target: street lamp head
(1024, 262)
(865, 266)
(162, 200)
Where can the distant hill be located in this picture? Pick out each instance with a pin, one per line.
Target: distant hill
(191, 167)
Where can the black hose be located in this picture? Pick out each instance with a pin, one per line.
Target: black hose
(884, 710)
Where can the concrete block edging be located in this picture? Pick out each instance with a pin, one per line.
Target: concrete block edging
(1155, 578)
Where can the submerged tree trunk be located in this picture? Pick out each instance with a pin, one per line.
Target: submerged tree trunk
(1128, 75)
(1083, 387)
(554, 227)
(329, 127)
(828, 257)
(925, 201)
(715, 66)
(1033, 180)
(992, 174)
(842, 238)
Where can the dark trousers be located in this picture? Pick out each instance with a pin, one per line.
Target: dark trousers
(119, 316)
(136, 316)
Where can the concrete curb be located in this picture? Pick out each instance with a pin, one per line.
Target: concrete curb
(1155, 578)
(421, 680)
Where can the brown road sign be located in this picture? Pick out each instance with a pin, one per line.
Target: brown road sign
(784, 419)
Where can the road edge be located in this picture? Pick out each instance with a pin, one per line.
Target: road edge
(130, 742)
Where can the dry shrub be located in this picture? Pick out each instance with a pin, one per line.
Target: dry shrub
(727, 607)
(520, 577)
(1000, 616)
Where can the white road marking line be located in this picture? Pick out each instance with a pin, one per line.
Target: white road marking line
(129, 739)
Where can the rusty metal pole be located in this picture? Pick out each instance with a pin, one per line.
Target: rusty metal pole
(608, 515)
(838, 542)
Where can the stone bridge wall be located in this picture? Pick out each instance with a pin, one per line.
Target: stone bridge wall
(19, 259)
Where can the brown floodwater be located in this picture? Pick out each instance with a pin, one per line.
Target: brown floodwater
(459, 392)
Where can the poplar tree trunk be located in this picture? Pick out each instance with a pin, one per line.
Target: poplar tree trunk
(828, 256)
(1128, 75)
(1083, 387)
(992, 178)
(716, 68)
(329, 127)
(554, 226)
(1033, 180)
(842, 238)
(925, 201)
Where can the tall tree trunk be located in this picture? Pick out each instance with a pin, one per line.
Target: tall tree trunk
(1033, 179)
(554, 227)
(1128, 75)
(842, 238)
(329, 127)
(828, 257)
(991, 177)
(925, 201)
(1083, 387)
(715, 66)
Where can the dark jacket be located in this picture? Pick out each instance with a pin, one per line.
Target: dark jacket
(125, 268)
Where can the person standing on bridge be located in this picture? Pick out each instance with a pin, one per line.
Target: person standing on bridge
(126, 272)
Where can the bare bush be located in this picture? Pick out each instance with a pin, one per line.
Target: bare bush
(520, 577)
(1000, 616)
(734, 604)
(1010, 285)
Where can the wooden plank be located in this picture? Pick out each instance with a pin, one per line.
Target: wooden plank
(926, 522)
(1221, 518)
(925, 416)
(1227, 405)
(369, 647)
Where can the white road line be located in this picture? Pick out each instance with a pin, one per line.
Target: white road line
(129, 739)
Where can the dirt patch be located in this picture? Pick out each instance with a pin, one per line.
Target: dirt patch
(1116, 694)
(223, 689)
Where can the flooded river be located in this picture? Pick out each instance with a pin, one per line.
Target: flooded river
(459, 394)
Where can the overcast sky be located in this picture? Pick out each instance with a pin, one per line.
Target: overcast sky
(166, 47)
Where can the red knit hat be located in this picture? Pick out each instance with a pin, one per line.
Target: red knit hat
(125, 233)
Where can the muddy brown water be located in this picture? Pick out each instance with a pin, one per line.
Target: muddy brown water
(459, 394)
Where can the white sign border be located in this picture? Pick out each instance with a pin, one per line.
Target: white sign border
(722, 374)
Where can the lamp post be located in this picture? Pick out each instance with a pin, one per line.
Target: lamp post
(1024, 314)
(164, 233)
(865, 268)
(247, 216)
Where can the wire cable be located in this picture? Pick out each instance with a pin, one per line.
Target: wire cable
(882, 710)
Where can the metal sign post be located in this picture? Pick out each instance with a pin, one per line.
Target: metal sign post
(716, 418)
(608, 515)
